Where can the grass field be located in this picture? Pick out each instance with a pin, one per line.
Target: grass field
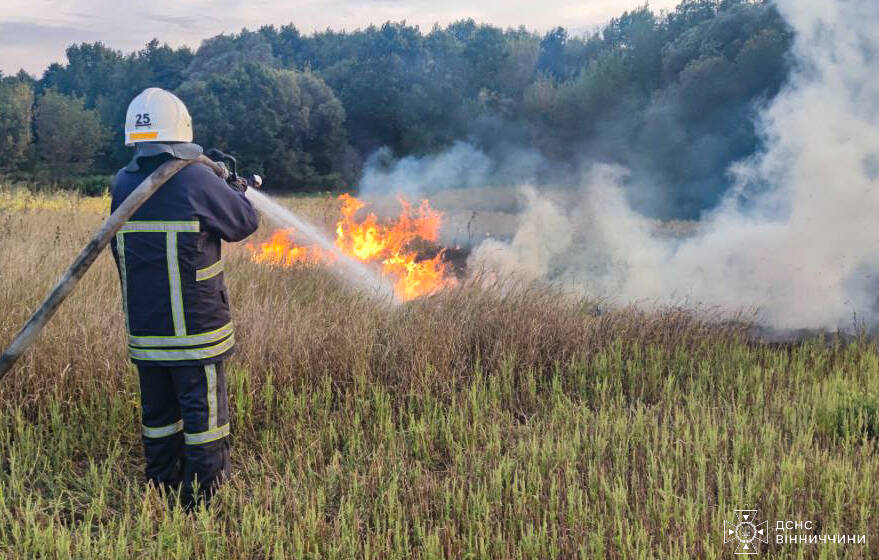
(472, 424)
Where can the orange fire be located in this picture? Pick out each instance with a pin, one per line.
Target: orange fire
(280, 250)
(386, 244)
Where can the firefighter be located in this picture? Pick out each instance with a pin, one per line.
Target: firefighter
(175, 302)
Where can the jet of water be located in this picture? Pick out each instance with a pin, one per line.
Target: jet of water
(352, 270)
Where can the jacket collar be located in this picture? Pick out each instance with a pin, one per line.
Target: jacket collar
(177, 150)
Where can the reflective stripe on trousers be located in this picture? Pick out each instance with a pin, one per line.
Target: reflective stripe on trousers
(198, 451)
(208, 436)
(163, 431)
(213, 432)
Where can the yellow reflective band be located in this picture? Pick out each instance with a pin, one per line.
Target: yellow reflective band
(210, 371)
(143, 136)
(148, 226)
(147, 354)
(123, 275)
(163, 431)
(209, 271)
(170, 229)
(188, 340)
(207, 436)
(176, 288)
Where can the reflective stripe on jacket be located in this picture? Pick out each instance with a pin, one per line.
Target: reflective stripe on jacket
(170, 267)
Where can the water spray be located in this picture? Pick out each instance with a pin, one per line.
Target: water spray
(352, 270)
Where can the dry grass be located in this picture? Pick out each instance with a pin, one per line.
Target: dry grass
(476, 423)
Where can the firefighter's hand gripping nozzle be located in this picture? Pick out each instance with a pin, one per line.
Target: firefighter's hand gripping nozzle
(235, 181)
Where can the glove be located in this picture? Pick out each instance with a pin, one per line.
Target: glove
(241, 184)
(238, 183)
(221, 170)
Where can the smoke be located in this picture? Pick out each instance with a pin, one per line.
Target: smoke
(462, 166)
(544, 235)
(459, 167)
(798, 235)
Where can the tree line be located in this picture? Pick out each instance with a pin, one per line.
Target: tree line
(670, 95)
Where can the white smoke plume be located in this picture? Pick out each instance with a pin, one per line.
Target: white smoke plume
(458, 167)
(544, 235)
(462, 166)
(797, 237)
(805, 251)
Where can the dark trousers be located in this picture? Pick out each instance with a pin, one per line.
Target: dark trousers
(185, 417)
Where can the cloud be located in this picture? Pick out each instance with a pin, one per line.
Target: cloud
(23, 33)
(33, 46)
(182, 21)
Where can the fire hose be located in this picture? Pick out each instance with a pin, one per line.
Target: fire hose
(28, 333)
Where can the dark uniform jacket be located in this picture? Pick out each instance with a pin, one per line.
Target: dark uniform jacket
(168, 257)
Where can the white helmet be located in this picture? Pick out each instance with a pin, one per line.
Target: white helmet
(157, 115)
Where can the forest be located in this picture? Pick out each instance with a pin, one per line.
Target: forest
(672, 96)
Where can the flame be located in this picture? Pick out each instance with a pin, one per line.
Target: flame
(281, 250)
(386, 244)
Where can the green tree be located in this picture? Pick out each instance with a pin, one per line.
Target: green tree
(567, 114)
(385, 90)
(16, 107)
(107, 80)
(285, 124)
(520, 65)
(68, 136)
(670, 95)
(552, 53)
(222, 53)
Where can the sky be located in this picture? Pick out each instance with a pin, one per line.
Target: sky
(34, 33)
